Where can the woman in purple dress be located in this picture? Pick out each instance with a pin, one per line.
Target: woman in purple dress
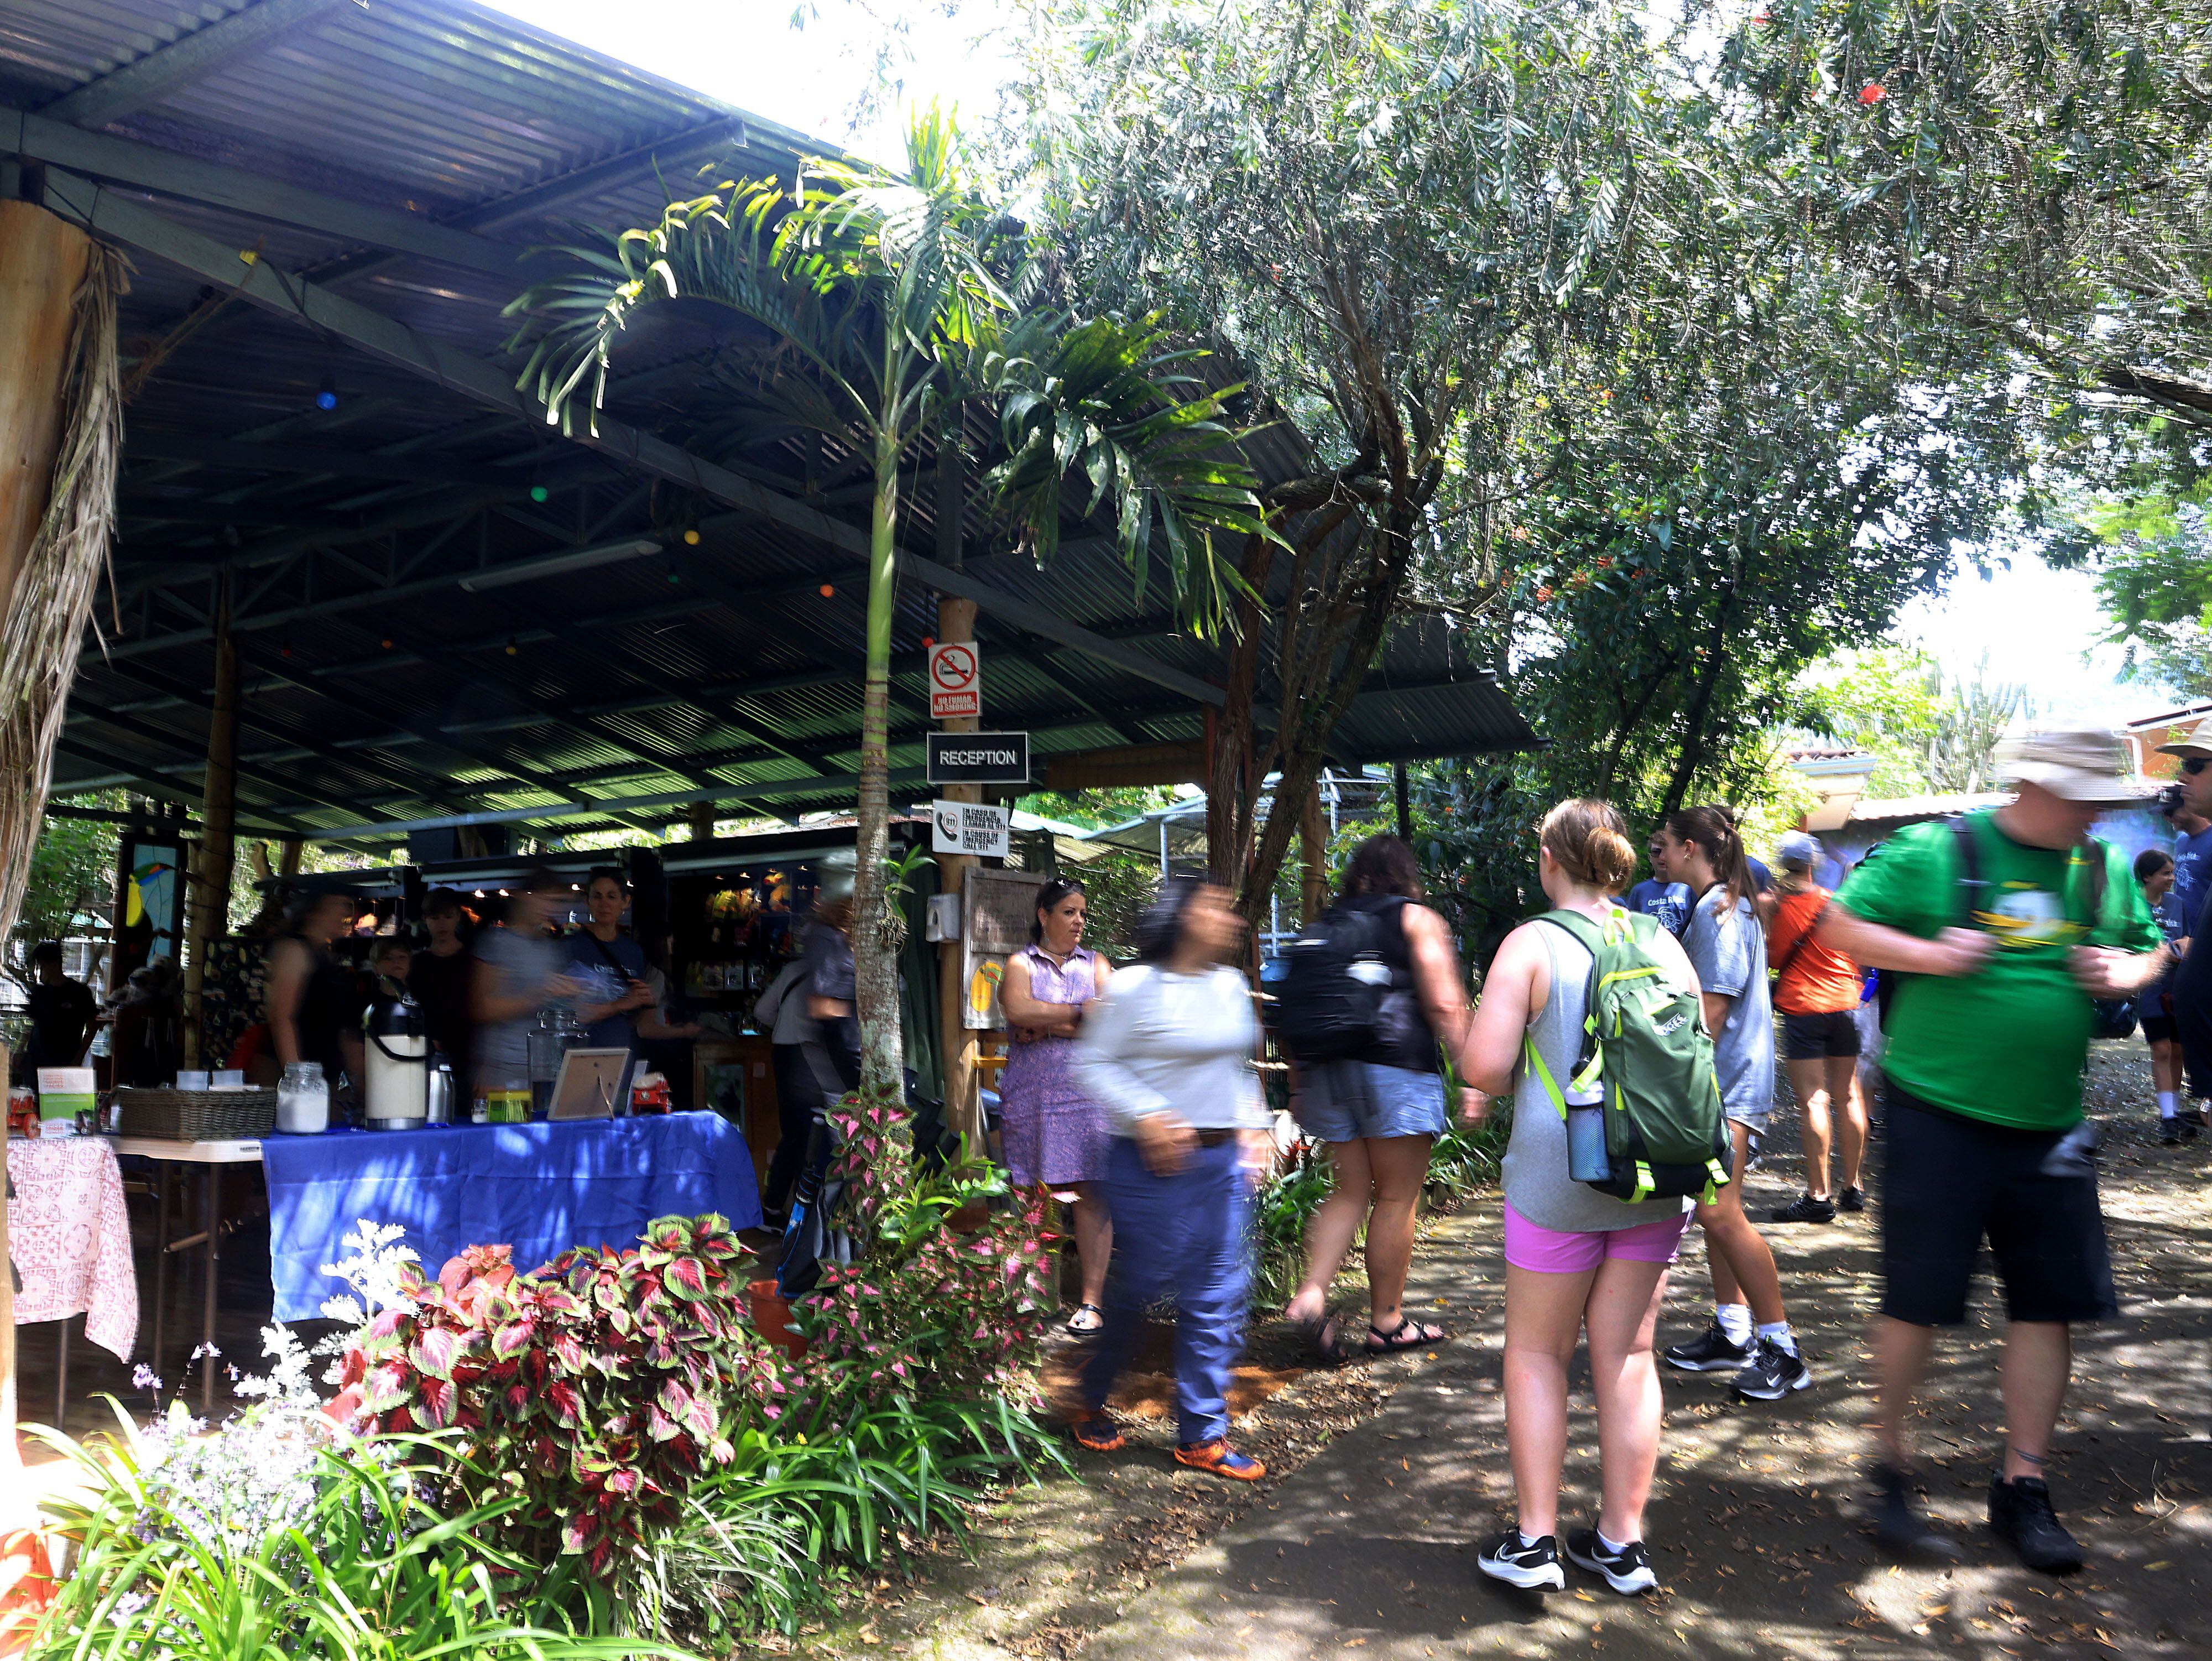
(1055, 1135)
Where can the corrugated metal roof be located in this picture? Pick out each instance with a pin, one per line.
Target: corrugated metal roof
(378, 687)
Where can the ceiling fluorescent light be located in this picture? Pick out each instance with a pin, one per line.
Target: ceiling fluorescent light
(553, 565)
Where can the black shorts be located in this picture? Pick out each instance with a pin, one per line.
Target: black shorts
(2157, 1029)
(1813, 1037)
(1950, 1181)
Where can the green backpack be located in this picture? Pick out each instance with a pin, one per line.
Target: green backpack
(1647, 1058)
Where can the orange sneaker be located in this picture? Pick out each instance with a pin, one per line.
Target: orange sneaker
(1218, 1456)
(1099, 1434)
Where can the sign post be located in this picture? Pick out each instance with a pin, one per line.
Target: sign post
(956, 681)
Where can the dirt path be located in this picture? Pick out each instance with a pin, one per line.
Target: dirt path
(1368, 1544)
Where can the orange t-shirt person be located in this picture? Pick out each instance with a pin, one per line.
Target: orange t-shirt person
(1811, 979)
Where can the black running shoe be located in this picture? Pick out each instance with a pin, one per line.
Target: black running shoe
(1805, 1209)
(1852, 1199)
(1531, 1565)
(1627, 1570)
(2169, 1133)
(1712, 1351)
(2193, 1125)
(2020, 1515)
(1902, 1526)
(1772, 1374)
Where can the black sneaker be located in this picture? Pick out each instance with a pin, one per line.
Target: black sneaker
(1805, 1209)
(1627, 1570)
(1772, 1374)
(1531, 1565)
(2193, 1125)
(1712, 1351)
(2169, 1133)
(2021, 1516)
(1900, 1525)
(1852, 1199)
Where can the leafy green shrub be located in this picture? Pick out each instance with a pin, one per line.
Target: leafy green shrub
(365, 1568)
(923, 1302)
(1280, 1213)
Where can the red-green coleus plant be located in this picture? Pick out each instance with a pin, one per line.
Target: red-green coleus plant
(599, 1386)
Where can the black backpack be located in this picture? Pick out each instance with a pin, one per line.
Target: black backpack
(1329, 1004)
(2116, 1017)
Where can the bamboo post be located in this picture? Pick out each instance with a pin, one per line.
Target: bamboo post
(43, 261)
(209, 896)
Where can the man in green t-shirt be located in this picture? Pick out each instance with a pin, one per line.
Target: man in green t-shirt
(1996, 959)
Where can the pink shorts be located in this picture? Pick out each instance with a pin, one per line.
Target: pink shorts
(1562, 1251)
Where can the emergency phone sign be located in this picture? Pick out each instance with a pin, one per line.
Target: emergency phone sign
(956, 681)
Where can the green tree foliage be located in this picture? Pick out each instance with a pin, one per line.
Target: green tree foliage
(1930, 731)
(2039, 175)
(72, 872)
(2152, 552)
(1402, 220)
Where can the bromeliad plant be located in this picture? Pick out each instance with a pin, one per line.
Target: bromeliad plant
(597, 1390)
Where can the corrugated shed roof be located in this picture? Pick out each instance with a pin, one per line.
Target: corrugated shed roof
(378, 686)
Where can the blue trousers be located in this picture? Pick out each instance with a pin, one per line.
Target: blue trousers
(1187, 1234)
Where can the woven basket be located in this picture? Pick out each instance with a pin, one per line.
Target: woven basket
(198, 1116)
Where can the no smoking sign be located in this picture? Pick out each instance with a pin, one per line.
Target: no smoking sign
(956, 681)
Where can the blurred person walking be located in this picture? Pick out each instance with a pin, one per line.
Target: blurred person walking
(2002, 926)
(1055, 1134)
(1576, 1259)
(1168, 1052)
(1381, 1111)
(520, 969)
(781, 1012)
(2154, 875)
(1817, 988)
(1660, 895)
(61, 1014)
(1750, 1335)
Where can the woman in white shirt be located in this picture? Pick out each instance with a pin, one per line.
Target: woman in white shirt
(1167, 1051)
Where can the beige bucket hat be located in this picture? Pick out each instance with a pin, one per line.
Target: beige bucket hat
(2198, 743)
(2082, 765)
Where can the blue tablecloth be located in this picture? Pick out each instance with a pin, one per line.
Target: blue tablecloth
(537, 1187)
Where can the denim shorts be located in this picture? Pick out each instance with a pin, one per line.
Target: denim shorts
(1347, 1101)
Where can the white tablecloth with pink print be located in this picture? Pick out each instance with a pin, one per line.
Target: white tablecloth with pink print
(71, 1238)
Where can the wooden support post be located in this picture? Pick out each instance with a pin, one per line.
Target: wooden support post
(956, 621)
(1313, 850)
(701, 816)
(207, 898)
(43, 261)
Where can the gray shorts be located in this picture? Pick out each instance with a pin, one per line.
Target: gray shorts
(1347, 1101)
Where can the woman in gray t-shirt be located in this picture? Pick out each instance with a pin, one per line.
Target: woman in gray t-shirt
(1575, 1258)
(1749, 1337)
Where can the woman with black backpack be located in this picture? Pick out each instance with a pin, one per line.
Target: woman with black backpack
(1382, 1110)
(1575, 1258)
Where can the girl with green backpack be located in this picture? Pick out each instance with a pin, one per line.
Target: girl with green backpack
(1580, 1256)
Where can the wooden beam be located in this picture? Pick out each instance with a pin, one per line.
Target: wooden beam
(208, 899)
(144, 166)
(138, 226)
(1125, 765)
(152, 76)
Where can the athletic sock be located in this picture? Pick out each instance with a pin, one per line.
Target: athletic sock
(1611, 1547)
(1735, 1321)
(1779, 1333)
(2169, 1104)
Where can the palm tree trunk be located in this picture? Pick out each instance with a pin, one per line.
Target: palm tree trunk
(876, 932)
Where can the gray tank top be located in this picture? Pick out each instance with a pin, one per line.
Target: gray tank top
(1535, 1164)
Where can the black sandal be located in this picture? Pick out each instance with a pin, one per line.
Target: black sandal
(1075, 1331)
(1327, 1333)
(1408, 1334)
